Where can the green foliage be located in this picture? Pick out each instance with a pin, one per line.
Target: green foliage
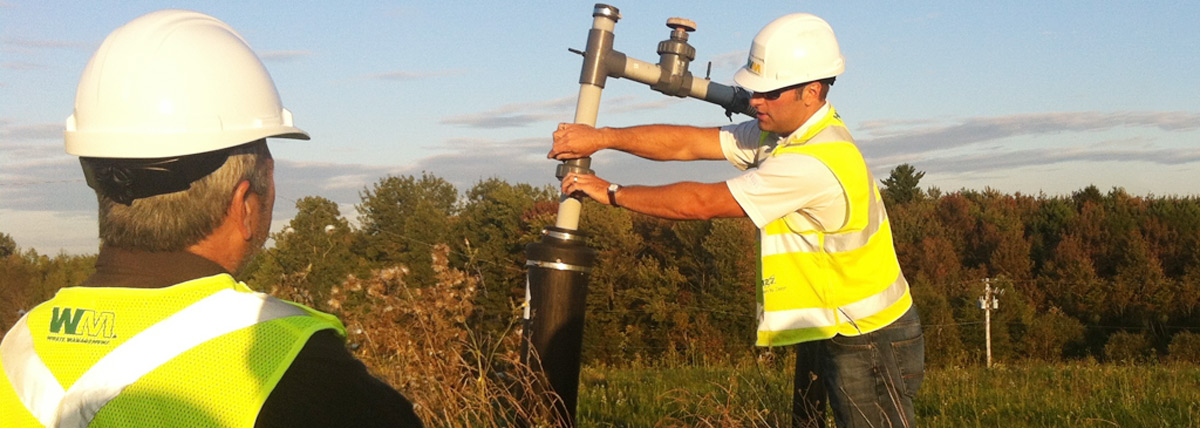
(28, 278)
(751, 395)
(494, 227)
(1050, 336)
(1184, 348)
(901, 185)
(313, 252)
(943, 336)
(1077, 268)
(1128, 348)
(402, 218)
(7, 245)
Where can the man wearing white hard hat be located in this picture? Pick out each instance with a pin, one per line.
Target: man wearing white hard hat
(828, 269)
(170, 123)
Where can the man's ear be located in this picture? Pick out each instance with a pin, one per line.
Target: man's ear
(243, 210)
(808, 95)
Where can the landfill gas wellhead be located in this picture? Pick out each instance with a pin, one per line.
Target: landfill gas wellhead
(559, 265)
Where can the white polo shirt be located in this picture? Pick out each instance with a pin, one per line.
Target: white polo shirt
(777, 185)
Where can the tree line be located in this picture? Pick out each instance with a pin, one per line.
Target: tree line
(1091, 275)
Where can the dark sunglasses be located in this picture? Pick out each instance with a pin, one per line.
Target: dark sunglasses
(774, 95)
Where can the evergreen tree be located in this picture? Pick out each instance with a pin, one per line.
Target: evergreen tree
(901, 185)
(7, 245)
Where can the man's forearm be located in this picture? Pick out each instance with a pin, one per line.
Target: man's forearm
(666, 142)
(681, 201)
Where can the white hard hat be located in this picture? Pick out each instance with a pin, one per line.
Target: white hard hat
(174, 83)
(792, 49)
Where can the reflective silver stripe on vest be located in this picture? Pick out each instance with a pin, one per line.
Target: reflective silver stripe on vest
(836, 242)
(35, 385)
(877, 302)
(221, 313)
(877, 216)
(793, 319)
(787, 243)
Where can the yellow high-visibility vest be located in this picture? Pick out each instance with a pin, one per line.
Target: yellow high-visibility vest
(203, 353)
(814, 284)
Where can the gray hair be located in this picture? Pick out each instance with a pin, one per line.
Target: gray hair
(175, 221)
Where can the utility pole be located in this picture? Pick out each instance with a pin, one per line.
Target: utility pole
(989, 302)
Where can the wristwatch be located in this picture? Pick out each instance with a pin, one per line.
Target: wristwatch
(612, 193)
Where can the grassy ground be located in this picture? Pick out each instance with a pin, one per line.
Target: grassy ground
(1071, 395)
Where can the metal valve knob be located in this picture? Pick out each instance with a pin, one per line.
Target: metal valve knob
(681, 23)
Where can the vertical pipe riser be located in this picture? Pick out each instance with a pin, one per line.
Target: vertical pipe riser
(558, 268)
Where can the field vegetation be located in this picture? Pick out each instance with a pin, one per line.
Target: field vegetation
(1099, 324)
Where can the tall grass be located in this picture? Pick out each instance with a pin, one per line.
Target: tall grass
(419, 340)
(749, 395)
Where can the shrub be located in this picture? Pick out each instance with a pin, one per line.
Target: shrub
(1129, 348)
(1184, 348)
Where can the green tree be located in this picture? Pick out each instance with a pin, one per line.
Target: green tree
(611, 332)
(7, 245)
(728, 299)
(1140, 290)
(943, 335)
(1050, 335)
(901, 185)
(402, 218)
(1071, 282)
(496, 225)
(16, 289)
(313, 252)
(28, 278)
(1047, 226)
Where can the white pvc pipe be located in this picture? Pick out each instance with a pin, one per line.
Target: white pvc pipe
(586, 110)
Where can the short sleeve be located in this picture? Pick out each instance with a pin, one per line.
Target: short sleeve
(788, 183)
(741, 146)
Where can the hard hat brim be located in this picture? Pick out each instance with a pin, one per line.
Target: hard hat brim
(754, 82)
(143, 145)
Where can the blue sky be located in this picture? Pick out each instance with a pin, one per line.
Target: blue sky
(1018, 96)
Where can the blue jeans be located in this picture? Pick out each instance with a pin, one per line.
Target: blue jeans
(872, 379)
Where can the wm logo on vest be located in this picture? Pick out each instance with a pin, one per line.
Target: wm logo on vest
(82, 326)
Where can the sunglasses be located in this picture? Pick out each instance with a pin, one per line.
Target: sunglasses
(774, 95)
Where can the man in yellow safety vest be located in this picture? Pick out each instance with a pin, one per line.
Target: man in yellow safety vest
(828, 268)
(171, 119)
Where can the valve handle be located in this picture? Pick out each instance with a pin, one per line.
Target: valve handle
(681, 23)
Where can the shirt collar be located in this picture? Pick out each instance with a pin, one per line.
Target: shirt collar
(117, 267)
(812, 120)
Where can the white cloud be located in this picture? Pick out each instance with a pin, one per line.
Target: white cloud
(45, 44)
(283, 56)
(726, 61)
(516, 114)
(554, 110)
(50, 232)
(21, 66)
(403, 75)
(886, 138)
(38, 131)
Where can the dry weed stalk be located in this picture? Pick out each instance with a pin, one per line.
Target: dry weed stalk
(717, 409)
(418, 339)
